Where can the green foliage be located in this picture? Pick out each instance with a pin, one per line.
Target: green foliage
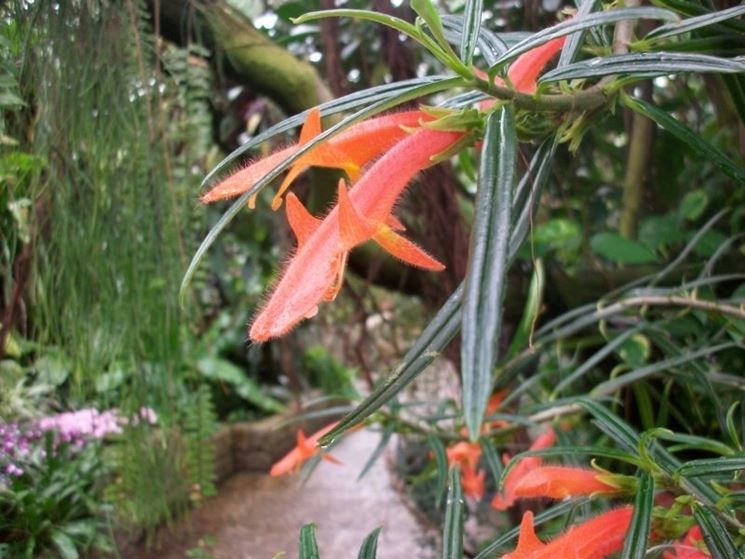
(325, 372)
(52, 508)
(199, 424)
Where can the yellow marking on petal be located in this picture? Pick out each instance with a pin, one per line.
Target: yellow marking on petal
(341, 265)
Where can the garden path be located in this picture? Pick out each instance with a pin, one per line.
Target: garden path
(256, 516)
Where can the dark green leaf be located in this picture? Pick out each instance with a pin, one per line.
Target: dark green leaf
(428, 346)
(533, 305)
(695, 141)
(645, 64)
(717, 538)
(308, 545)
(491, 458)
(690, 24)
(618, 249)
(574, 41)
(369, 549)
(446, 322)
(441, 463)
(712, 466)
(487, 266)
(452, 531)
(384, 439)
(471, 28)
(579, 23)
(635, 546)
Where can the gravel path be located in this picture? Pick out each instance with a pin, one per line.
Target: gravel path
(256, 516)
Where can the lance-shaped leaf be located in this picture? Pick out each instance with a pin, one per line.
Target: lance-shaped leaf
(487, 267)
(717, 538)
(694, 23)
(441, 463)
(308, 546)
(638, 534)
(645, 64)
(471, 28)
(369, 549)
(713, 466)
(693, 140)
(581, 22)
(574, 41)
(452, 531)
(489, 43)
(446, 323)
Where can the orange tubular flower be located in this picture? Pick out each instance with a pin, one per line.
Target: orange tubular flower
(594, 539)
(690, 548)
(558, 482)
(350, 150)
(467, 456)
(507, 498)
(363, 213)
(305, 449)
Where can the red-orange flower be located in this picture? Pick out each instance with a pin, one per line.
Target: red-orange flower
(504, 500)
(363, 213)
(306, 448)
(594, 539)
(349, 150)
(691, 547)
(558, 482)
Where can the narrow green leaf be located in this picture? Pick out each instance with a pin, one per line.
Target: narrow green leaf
(692, 442)
(441, 463)
(427, 347)
(487, 267)
(717, 538)
(695, 141)
(384, 440)
(713, 466)
(452, 531)
(645, 64)
(612, 425)
(574, 41)
(614, 384)
(530, 313)
(595, 359)
(446, 322)
(426, 10)
(491, 458)
(581, 22)
(490, 44)
(308, 545)
(635, 546)
(378, 107)
(690, 24)
(471, 28)
(369, 549)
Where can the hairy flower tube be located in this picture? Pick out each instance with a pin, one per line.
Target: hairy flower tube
(558, 482)
(315, 272)
(596, 538)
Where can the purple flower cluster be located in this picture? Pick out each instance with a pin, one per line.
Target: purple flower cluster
(15, 444)
(75, 428)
